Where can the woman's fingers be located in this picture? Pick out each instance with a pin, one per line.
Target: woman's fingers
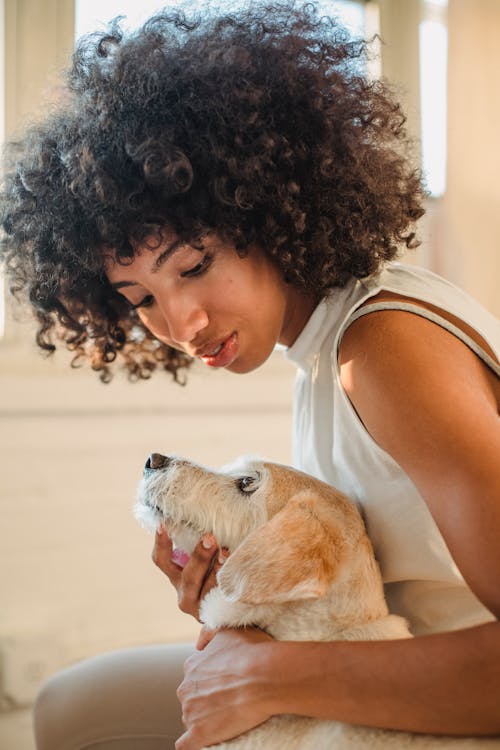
(195, 574)
(210, 580)
(162, 556)
(221, 694)
(204, 638)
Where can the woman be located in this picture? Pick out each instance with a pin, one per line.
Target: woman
(208, 190)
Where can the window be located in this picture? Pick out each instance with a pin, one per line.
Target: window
(349, 12)
(2, 138)
(92, 14)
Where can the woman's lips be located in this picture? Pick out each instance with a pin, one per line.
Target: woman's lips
(225, 354)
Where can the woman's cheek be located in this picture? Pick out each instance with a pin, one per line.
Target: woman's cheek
(154, 325)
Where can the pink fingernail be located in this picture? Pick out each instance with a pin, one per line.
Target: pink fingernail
(179, 557)
(207, 541)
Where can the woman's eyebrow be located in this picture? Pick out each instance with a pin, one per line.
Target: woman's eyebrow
(163, 256)
(122, 284)
(157, 264)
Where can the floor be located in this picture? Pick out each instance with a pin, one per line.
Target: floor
(15, 731)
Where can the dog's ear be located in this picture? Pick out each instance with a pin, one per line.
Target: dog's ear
(294, 556)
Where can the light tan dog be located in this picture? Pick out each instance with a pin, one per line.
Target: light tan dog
(301, 568)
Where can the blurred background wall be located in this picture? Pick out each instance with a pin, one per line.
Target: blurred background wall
(75, 572)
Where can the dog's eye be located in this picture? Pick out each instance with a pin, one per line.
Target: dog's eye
(245, 484)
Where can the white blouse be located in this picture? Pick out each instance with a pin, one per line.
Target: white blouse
(422, 581)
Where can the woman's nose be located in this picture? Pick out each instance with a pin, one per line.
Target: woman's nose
(185, 323)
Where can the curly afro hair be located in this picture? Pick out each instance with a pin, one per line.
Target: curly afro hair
(258, 124)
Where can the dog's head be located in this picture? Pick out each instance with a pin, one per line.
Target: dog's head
(287, 532)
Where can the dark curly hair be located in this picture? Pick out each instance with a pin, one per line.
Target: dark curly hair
(259, 124)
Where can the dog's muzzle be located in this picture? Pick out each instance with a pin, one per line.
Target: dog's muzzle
(156, 461)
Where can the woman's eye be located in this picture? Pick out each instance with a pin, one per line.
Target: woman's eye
(199, 268)
(146, 301)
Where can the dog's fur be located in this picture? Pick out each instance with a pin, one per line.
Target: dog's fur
(301, 568)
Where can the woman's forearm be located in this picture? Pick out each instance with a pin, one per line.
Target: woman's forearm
(440, 684)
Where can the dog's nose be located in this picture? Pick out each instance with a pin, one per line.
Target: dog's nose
(156, 461)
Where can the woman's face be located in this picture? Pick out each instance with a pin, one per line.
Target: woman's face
(226, 310)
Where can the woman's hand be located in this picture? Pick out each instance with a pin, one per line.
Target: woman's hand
(224, 690)
(193, 581)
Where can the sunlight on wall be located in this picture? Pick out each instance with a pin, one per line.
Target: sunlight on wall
(433, 40)
(433, 48)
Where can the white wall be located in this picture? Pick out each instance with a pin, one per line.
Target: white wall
(468, 230)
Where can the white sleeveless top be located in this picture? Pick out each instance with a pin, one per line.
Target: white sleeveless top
(422, 582)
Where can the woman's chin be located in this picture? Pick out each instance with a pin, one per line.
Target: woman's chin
(243, 365)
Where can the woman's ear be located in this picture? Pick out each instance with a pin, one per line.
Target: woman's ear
(294, 556)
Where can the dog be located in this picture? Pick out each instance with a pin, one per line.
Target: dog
(301, 567)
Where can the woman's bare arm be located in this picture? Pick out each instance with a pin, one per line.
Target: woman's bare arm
(439, 684)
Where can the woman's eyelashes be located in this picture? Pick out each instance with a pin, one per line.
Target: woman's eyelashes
(146, 301)
(196, 270)
(199, 268)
